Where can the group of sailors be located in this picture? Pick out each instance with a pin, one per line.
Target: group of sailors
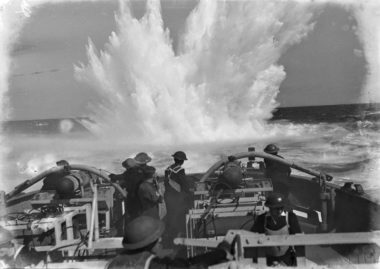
(155, 215)
(146, 234)
(143, 239)
(147, 195)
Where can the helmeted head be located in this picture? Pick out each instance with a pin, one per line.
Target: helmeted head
(142, 232)
(180, 155)
(128, 163)
(142, 158)
(275, 200)
(66, 186)
(149, 172)
(272, 149)
(232, 174)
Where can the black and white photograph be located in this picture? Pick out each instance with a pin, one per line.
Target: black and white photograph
(189, 134)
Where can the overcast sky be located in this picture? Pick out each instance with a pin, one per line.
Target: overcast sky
(328, 67)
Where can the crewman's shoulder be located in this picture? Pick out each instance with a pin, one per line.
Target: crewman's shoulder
(176, 168)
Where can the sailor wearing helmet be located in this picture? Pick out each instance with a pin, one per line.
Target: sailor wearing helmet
(278, 221)
(175, 174)
(143, 249)
(177, 196)
(136, 172)
(276, 171)
(150, 195)
(135, 176)
(121, 179)
(273, 168)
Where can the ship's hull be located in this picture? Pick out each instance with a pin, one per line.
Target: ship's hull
(322, 208)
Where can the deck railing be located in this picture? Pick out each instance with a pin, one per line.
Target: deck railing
(242, 240)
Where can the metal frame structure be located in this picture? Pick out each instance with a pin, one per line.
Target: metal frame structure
(243, 239)
(61, 222)
(243, 204)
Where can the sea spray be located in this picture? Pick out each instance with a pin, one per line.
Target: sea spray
(31, 155)
(221, 85)
(12, 16)
(368, 18)
(367, 15)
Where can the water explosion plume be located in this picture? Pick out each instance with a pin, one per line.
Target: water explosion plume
(368, 18)
(220, 85)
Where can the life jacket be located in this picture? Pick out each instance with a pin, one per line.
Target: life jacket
(171, 173)
(277, 251)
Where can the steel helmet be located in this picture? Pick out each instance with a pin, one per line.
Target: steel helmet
(66, 186)
(141, 232)
(5, 236)
(232, 175)
(180, 155)
(128, 163)
(149, 171)
(142, 158)
(271, 148)
(275, 200)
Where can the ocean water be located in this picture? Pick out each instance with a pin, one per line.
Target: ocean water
(214, 94)
(345, 142)
(341, 140)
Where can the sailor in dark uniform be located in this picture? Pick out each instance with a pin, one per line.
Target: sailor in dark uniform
(275, 168)
(175, 174)
(134, 175)
(276, 171)
(121, 179)
(149, 195)
(278, 221)
(177, 196)
(13, 255)
(143, 249)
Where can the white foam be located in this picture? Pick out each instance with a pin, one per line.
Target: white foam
(222, 84)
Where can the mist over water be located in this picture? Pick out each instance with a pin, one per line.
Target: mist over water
(212, 96)
(347, 150)
(221, 84)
